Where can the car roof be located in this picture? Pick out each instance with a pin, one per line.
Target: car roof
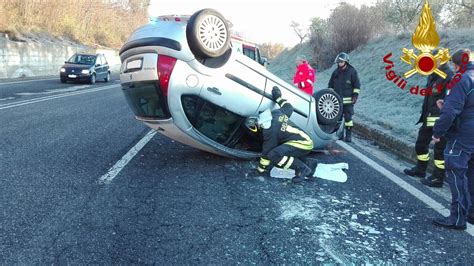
(179, 18)
(86, 54)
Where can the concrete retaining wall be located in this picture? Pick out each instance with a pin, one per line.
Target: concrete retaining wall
(27, 59)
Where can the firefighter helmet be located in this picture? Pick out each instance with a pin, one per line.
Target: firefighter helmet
(252, 123)
(341, 57)
(264, 120)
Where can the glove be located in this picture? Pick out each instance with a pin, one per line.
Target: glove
(354, 99)
(276, 93)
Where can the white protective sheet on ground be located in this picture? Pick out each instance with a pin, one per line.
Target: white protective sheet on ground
(333, 172)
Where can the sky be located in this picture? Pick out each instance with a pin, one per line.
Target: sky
(258, 20)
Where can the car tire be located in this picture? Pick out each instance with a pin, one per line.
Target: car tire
(92, 79)
(208, 34)
(63, 80)
(328, 106)
(107, 78)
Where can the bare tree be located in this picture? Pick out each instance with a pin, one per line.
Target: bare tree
(350, 27)
(298, 29)
(271, 50)
(403, 14)
(461, 13)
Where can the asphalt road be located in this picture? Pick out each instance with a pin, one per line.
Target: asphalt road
(172, 204)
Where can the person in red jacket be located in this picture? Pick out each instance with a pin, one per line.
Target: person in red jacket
(304, 76)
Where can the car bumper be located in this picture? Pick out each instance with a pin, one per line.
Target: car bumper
(74, 77)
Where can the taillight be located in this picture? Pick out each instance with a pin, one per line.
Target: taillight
(165, 67)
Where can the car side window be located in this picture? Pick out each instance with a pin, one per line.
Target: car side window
(219, 124)
(257, 55)
(104, 61)
(99, 60)
(249, 51)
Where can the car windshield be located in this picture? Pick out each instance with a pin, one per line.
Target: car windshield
(82, 59)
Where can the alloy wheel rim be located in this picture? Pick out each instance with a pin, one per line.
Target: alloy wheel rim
(328, 106)
(212, 33)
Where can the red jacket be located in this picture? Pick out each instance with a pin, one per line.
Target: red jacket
(304, 78)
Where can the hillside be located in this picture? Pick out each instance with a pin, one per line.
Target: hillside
(91, 23)
(382, 104)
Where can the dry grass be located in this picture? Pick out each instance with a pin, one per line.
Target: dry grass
(381, 103)
(100, 22)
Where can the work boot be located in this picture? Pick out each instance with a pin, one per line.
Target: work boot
(342, 134)
(419, 170)
(435, 180)
(470, 215)
(312, 163)
(447, 223)
(301, 170)
(348, 137)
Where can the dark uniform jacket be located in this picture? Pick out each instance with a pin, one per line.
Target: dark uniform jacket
(346, 83)
(459, 104)
(282, 131)
(430, 111)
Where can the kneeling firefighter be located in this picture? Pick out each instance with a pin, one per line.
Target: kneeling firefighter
(284, 144)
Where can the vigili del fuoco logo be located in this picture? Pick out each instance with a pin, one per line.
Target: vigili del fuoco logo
(425, 39)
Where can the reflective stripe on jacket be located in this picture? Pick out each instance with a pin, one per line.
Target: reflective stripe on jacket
(283, 131)
(430, 111)
(346, 83)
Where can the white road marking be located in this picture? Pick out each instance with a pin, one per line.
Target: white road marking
(6, 99)
(398, 165)
(330, 252)
(23, 81)
(118, 166)
(69, 89)
(403, 184)
(47, 98)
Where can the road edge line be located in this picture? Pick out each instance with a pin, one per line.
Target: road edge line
(438, 207)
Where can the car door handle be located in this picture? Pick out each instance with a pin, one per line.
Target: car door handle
(214, 90)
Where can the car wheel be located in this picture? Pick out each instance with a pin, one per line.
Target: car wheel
(328, 106)
(92, 79)
(208, 34)
(107, 78)
(63, 80)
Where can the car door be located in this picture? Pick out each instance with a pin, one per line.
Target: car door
(298, 99)
(99, 68)
(239, 89)
(106, 65)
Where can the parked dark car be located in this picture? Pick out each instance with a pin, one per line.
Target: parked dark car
(85, 68)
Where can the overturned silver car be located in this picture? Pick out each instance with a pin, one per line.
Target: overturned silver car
(181, 77)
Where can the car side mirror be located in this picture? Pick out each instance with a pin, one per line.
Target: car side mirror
(97, 65)
(264, 61)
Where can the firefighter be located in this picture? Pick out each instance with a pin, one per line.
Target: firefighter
(456, 123)
(284, 144)
(304, 76)
(429, 114)
(345, 81)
